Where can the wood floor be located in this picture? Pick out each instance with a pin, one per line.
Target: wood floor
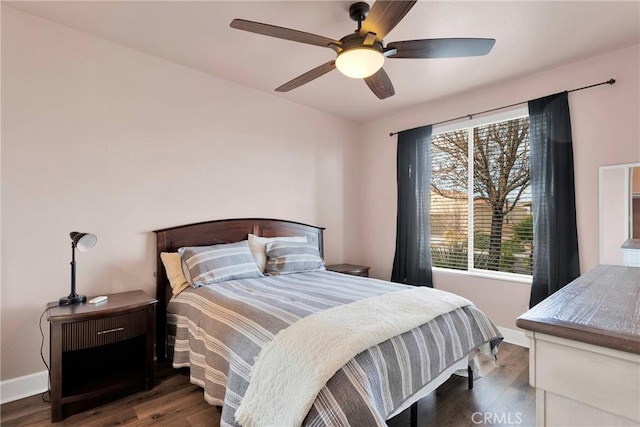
(502, 397)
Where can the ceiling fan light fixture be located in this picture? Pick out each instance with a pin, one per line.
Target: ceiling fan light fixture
(359, 62)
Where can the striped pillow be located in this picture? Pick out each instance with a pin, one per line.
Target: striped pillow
(217, 263)
(257, 247)
(292, 257)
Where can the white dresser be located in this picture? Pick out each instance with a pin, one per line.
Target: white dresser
(631, 251)
(585, 350)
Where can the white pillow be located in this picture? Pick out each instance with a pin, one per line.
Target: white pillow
(257, 247)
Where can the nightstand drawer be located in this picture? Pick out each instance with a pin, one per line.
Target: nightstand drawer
(105, 330)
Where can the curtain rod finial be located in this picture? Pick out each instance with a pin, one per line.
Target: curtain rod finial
(611, 81)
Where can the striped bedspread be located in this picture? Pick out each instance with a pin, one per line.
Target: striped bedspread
(218, 331)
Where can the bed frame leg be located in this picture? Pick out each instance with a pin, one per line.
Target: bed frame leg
(470, 377)
(414, 414)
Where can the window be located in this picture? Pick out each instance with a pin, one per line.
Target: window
(481, 218)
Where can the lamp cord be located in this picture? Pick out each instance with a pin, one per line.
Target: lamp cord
(48, 391)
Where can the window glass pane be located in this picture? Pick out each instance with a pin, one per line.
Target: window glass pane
(449, 200)
(502, 220)
(501, 216)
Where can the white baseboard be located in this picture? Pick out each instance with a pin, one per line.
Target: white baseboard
(513, 336)
(21, 387)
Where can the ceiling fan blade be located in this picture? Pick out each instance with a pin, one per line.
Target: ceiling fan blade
(308, 76)
(384, 16)
(380, 84)
(441, 48)
(282, 33)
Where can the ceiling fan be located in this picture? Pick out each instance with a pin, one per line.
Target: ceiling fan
(362, 54)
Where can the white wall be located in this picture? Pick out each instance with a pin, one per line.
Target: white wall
(606, 131)
(104, 139)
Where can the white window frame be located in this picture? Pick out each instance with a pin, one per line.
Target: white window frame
(510, 114)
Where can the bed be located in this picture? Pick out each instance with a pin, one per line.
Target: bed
(222, 333)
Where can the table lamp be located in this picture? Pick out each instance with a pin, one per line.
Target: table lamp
(83, 242)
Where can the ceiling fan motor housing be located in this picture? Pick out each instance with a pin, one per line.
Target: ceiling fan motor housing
(356, 40)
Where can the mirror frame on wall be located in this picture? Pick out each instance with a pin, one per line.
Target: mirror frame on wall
(603, 208)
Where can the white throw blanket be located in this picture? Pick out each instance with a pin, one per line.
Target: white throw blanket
(291, 370)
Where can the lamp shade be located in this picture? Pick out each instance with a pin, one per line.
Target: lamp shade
(83, 241)
(359, 62)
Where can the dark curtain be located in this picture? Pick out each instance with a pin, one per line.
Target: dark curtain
(555, 253)
(412, 261)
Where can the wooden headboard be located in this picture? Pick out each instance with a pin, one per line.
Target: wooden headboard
(212, 233)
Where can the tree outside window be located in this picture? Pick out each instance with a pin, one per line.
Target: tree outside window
(481, 203)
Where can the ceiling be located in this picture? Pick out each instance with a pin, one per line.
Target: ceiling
(531, 37)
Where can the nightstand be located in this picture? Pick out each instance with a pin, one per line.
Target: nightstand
(99, 352)
(354, 270)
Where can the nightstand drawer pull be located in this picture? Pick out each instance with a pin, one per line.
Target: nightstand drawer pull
(108, 331)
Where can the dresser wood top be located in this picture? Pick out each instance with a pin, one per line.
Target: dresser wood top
(631, 244)
(601, 307)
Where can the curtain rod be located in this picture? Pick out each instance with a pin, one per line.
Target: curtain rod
(470, 116)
